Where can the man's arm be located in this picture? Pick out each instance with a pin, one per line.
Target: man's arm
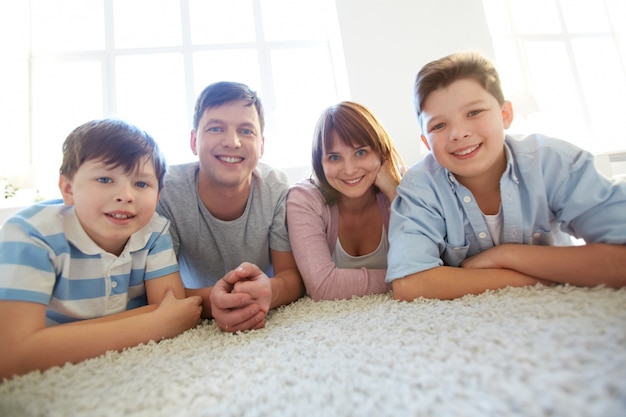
(447, 283)
(287, 285)
(587, 265)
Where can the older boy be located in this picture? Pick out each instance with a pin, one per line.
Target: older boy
(228, 213)
(76, 275)
(484, 211)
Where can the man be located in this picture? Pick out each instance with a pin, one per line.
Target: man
(228, 213)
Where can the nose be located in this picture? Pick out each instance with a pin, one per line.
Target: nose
(349, 166)
(231, 139)
(124, 193)
(459, 131)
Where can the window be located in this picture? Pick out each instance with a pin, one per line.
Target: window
(146, 61)
(563, 65)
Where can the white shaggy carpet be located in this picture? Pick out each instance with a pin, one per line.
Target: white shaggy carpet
(515, 352)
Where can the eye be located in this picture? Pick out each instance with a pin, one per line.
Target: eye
(214, 129)
(246, 132)
(334, 158)
(104, 180)
(438, 126)
(361, 152)
(474, 113)
(142, 184)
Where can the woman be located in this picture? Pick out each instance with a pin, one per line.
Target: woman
(338, 219)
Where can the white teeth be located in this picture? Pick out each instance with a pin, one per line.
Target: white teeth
(353, 181)
(230, 159)
(467, 151)
(119, 216)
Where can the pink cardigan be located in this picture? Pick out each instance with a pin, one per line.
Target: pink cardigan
(313, 229)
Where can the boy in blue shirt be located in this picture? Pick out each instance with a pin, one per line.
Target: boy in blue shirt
(484, 210)
(96, 271)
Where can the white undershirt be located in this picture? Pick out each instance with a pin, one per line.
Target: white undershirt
(494, 224)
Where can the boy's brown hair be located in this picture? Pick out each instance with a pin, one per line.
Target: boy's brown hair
(115, 143)
(443, 72)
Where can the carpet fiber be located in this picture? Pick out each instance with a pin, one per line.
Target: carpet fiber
(533, 351)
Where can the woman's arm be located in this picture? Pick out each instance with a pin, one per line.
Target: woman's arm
(309, 242)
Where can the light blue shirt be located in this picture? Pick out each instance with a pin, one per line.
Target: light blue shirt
(549, 190)
(46, 257)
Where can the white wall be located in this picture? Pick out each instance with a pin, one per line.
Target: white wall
(386, 43)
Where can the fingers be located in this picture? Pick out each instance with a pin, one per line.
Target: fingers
(247, 318)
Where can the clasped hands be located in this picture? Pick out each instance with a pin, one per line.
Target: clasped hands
(241, 299)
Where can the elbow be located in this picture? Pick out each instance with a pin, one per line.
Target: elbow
(402, 291)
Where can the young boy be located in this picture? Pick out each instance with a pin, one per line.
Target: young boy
(76, 275)
(484, 210)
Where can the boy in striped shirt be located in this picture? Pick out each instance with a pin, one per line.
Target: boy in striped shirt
(95, 271)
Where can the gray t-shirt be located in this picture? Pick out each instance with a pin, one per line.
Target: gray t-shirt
(207, 248)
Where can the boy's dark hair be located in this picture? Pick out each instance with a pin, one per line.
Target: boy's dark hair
(223, 92)
(355, 125)
(115, 143)
(443, 72)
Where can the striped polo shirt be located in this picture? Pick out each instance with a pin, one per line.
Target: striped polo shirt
(47, 257)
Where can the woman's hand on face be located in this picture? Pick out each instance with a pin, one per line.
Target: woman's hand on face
(385, 181)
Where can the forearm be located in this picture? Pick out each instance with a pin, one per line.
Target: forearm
(205, 294)
(287, 287)
(344, 283)
(587, 265)
(447, 283)
(56, 345)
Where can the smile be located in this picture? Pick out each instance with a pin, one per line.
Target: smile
(120, 216)
(466, 151)
(354, 181)
(230, 159)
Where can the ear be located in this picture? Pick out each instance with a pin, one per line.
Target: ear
(262, 146)
(193, 142)
(425, 142)
(507, 114)
(65, 186)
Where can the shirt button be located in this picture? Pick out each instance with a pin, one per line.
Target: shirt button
(114, 284)
(536, 234)
(467, 199)
(482, 235)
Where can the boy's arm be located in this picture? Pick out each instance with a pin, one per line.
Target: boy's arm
(588, 265)
(27, 344)
(447, 283)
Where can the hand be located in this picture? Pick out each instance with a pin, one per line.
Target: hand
(240, 300)
(175, 316)
(385, 181)
(494, 258)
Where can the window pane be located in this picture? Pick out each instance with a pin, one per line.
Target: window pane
(288, 20)
(604, 87)
(556, 92)
(215, 22)
(241, 65)
(151, 94)
(299, 103)
(535, 16)
(581, 17)
(67, 25)
(497, 17)
(138, 26)
(65, 95)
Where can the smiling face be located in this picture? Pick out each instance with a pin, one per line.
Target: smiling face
(350, 170)
(464, 127)
(111, 204)
(229, 144)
